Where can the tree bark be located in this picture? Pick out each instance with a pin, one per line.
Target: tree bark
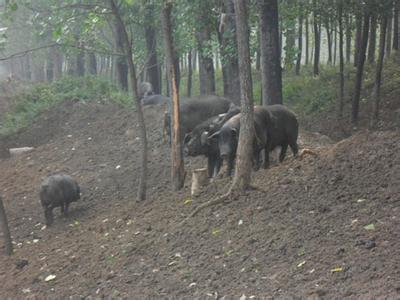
(92, 63)
(396, 25)
(242, 177)
(153, 75)
(317, 40)
(348, 24)
(360, 69)
(358, 37)
(80, 62)
(178, 172)
(49, 67)
(206, 63)
(141, 195)
(334, 45)
(378, 74)
(271, 71)
(329, 38)
(190, 74)
(341, 61)
(58, 62)
(389, 34)
(307, 40)
(228, 49)
(299, 45)
(5, 229)
(121, 61)
(372, 40)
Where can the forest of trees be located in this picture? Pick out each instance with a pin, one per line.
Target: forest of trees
(128, 41)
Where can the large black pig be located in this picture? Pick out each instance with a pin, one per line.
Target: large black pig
(58, 191)
(228, 137)
(196, 110)
(198, 143)
(283, 130)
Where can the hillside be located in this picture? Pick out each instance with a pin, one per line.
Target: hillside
(305, 231)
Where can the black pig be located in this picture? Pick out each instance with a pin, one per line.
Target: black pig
(58, 191)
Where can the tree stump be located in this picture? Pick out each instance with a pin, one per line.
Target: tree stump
(199, 179)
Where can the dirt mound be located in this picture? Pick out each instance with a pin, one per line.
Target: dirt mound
(322, 226)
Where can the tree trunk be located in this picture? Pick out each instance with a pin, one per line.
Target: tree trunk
(228, 48)
(299, 45)
(334, 45)
(348, 24)
(5, 229)
(389, 34)
(49, 67)
(121, 61)
(258, 54)
(167, 85)
(206, 63)
(178, 172)
(341, 61)
(92, 63)
(290, 36)
(271, 71)
(372, 40)
(358, 37)
(396, 25)
(133, 80)
(190, 74)
(58, 62)
(307, 40)
(360, 69)
(242, 177)
(378, 74)
(80, 62)
(329, 38)
(317, 40)
(153, 75)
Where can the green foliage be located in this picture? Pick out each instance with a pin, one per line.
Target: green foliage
(306, 94)
(32, 102)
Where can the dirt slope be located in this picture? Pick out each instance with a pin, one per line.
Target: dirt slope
(306, 218)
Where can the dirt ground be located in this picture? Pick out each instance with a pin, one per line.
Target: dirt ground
(324, 226)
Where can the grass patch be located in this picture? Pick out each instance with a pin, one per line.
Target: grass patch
(30, 103)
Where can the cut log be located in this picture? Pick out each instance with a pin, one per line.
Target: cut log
(199, 179)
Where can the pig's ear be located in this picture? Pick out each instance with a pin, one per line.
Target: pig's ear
(214, 135)
(204, 138)
(187, 138)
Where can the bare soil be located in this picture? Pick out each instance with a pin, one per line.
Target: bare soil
(324, 226)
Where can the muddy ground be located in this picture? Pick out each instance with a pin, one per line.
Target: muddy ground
(320, 227)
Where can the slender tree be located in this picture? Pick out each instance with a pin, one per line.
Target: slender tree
(271, 71)
(396, 25)
(242, 177)
(349, 32)
(358, 37)
(151, 46)
(389, 32)
(317, 39)
(360, 67)
(227, 40)
(127, 47)
(307, 37)
(299, 44)
(378, 73)
(372, 40)
(341, 60)
(190, 74)
(178, 172)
